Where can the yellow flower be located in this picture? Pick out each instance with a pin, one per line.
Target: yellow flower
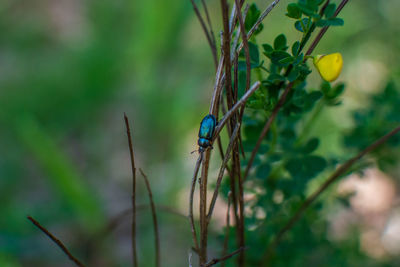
(329, 66)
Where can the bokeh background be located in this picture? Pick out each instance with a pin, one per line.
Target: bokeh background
(69, 69)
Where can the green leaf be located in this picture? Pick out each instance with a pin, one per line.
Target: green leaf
(293, 75)
(330, 10)
(329, 22)
(298, 25)
(311, 146)
(298, 59)
(293, 11)
(286, 61)
(267, 49)
(305, 168)
(280, 42)
(304, 70)
(263, 149)
(263, 170)
(308, 8)
(315, 96)
(274, 78)
(325, 87)
(277, 56)
(254, 53)
(252, 16)
(295, 48)
(337, 90)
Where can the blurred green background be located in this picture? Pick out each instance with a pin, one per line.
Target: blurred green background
(69, 69)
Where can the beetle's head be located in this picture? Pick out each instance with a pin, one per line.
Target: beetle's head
(203, 144)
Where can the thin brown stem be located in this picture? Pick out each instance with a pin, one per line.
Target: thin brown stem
(154, 215)
(264, 131)
(222, 171)
(323, 30)
(337, 174)
(217, 87)
(192, 189)
(245, 45)
(238, 104)
(206, 32)
(203, 207)
(57, 241)
(212, 35)
(215, 261)
(227, 57)
(219, 75)
(133, 226)
(236, 160)
(261, 18)
(228, 226)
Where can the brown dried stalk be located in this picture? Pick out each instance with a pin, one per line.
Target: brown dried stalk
(203, 208)
(154, 215)
(215, 261)
(193, 187)
(221, 171)
(133, 227)
(238, 104)
(206, 32)
(57, 241)
(228, 226)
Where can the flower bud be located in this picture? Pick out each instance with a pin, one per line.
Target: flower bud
(329, 66)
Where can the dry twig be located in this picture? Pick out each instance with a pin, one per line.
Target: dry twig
(221, 171)
(154, 215)
(133, 227)
(193, 187)
(215, 261)
(57, 241)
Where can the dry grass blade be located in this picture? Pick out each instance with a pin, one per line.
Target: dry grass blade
(154, 215)
(133, 227)
(57, 241)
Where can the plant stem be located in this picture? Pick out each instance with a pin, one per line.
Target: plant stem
(57, 241)
(191, 219)
(154, 215)
(133, 226)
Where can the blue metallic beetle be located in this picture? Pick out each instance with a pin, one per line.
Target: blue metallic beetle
(206, 132)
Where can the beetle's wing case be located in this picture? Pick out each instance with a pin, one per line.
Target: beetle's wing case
(207, 127)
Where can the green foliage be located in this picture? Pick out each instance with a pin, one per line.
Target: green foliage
(289, 160)
(374, 122)
(252, 16)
